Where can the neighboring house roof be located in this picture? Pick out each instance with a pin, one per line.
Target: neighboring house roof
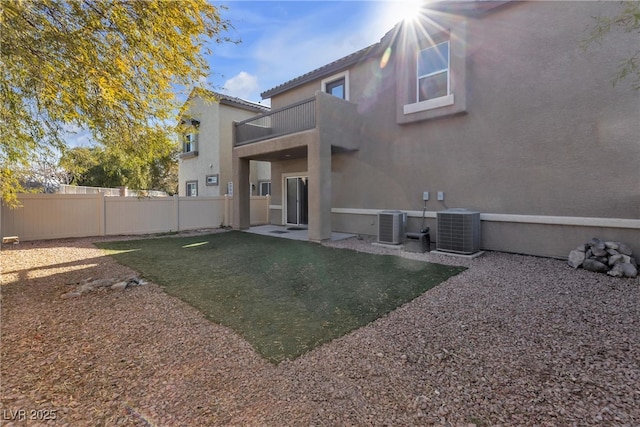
(467, 7)
(239, 102)
(230, 100)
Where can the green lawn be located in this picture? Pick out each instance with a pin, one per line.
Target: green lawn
(285, 297)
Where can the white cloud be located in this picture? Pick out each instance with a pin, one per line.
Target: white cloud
(242, 85)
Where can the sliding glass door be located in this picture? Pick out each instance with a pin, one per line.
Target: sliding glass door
(297, 200)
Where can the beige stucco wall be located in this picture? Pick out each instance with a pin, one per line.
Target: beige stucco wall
(214, 145)
(545, 133)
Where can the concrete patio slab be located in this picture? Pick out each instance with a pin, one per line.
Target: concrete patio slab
(291, 232)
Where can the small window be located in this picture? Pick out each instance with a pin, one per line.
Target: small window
(192, 188)
(337, 85)
(336, 88)
(212, 179)
(433, 72)
(189, 143)
(265, 188)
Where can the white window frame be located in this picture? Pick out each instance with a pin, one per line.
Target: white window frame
(260, 184)
(189, 141)
(429, 104)
(444, 70)
(343, 75)
(187, 185)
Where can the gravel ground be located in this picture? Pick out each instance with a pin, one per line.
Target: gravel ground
(513, 340)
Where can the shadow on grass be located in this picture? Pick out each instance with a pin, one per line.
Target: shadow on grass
(285, 297)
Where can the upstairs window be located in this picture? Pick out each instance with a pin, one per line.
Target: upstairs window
(337, 85)
(189, 143)
(336, 88)
(433, 72)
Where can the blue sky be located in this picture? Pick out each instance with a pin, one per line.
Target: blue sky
(281, 40)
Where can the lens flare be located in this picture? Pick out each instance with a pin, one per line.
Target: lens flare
(385, 57)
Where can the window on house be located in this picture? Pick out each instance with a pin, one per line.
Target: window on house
(192, 188)
(433, 72)
(189, 143)
(265, 188)
(212, 179)
(337, 85)
(336, 88)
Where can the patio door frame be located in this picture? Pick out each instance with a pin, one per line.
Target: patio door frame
(300, 200)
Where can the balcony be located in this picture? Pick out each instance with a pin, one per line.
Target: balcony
(283, 121)
(335, 121)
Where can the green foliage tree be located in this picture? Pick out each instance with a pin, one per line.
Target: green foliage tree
(628, 20)
(109, 66)
(108, 167)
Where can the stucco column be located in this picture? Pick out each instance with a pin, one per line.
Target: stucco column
(241, 193)
(319, 168)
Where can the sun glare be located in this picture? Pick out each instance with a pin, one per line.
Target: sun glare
(408, 10)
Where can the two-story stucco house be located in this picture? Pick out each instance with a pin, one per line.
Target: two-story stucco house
(205, 161)
(495, 107)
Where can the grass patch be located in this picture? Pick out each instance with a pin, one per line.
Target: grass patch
(285, 297)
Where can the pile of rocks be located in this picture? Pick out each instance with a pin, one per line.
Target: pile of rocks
(614, 258)
(89, 285)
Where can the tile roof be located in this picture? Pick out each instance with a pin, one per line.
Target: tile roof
(328, 69)
(230, 100)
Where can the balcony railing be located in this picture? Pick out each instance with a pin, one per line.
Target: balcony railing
(283, 121)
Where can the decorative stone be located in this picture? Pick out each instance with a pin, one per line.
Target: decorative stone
(615, 259)
(616, 272)
(612, 245)
(119, 286)
(90, 284)
(623, 269)
(576, 258)
(86, 288)
(602, 259)
(593, 265)
(599, 249)
(624, 249)
(629, 270)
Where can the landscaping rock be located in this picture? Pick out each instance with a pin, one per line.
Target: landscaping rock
(594, 265)
(599, 249)
(613, 258)
(612, 245)
(576, 258)
(119, 286)
(90, 284)
(624, 249)
(623, 269)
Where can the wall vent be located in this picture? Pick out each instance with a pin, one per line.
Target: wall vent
(458, 231)
(391, 227)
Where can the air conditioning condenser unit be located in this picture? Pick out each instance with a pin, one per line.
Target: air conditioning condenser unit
(458, 231)
(391, 227)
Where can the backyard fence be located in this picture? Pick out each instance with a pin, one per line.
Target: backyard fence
(56, 216)
(111, 192)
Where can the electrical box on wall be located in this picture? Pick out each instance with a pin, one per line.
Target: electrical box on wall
(441, 195)
(425, 196)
